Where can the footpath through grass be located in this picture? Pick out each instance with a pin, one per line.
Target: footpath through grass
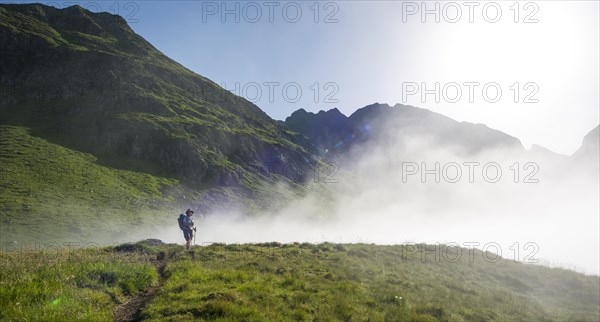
(69, 285)
(283, 282)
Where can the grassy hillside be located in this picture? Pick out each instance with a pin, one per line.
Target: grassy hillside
(52, 193)
(303, 282)
(49, 192)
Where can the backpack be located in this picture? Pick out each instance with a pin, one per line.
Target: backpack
(180, 221)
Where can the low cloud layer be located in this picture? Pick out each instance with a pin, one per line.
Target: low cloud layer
(381, 196)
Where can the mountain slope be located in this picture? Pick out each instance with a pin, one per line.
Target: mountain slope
(87, 81)
(127, 135)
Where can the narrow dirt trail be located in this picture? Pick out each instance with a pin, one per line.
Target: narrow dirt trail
(131, 310)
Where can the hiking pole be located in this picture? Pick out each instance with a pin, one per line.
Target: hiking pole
(194, 236)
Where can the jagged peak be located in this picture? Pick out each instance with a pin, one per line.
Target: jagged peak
(320, 113)
(377, 104)
(331, 112)
(372, 108)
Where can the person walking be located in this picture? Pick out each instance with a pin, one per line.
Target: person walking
(186, 224)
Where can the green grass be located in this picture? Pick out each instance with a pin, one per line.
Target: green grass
(63, 285)
(49, 192)
(290, 282)
(273, 282)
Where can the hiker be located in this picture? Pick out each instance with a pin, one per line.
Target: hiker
(186, 223)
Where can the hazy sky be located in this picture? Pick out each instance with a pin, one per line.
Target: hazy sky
(349, 54)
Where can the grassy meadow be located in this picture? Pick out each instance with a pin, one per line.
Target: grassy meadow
(289, 282)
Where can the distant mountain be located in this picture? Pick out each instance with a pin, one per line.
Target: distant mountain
(590, 148)
(323, 130)
(334, 132)
(88, 81)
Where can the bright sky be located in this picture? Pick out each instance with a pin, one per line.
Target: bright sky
(348, 54)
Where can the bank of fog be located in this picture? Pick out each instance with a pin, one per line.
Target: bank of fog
(523, 206)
